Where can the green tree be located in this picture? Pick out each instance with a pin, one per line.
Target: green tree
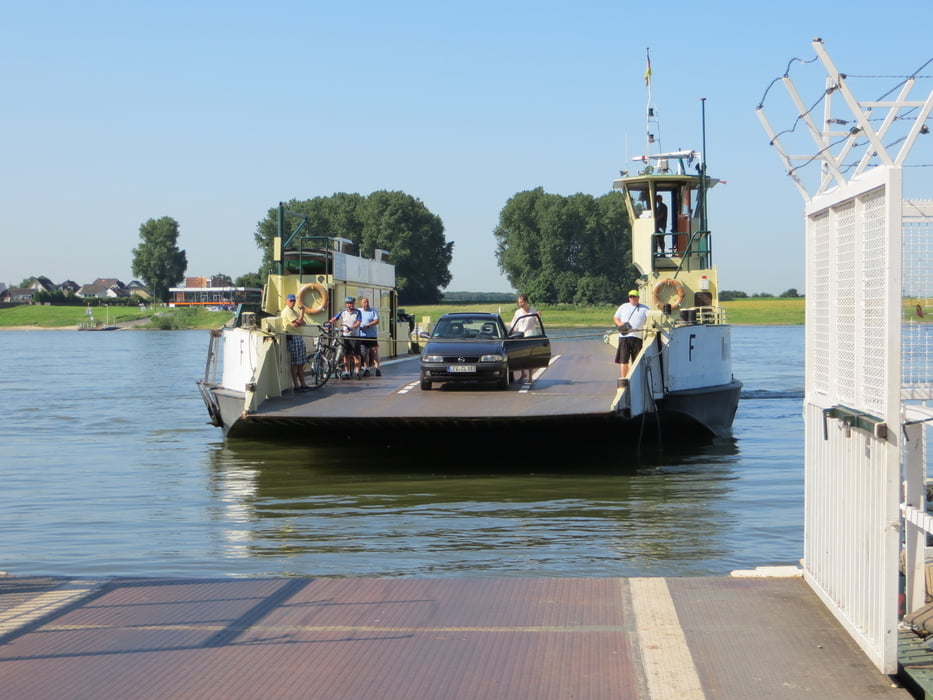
(250, 279)
(789, 294)
(392, 221)
(157, 260)
(566, 249)
(401, 224)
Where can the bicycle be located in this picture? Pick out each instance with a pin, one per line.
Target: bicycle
(322, 363)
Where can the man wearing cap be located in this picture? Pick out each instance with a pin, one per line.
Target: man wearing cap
(630, 319)
(349, 320)
(293, 318)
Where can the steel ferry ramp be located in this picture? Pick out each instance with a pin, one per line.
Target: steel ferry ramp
(729, 638)
(577, 387)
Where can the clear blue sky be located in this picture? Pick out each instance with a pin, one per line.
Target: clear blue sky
(211, 113)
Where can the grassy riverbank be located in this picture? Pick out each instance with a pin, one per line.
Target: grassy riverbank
(68, 317)
(757, 311)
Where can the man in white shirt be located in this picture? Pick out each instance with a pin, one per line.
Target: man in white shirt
(369, 343)
(349, 320)
(630, 319)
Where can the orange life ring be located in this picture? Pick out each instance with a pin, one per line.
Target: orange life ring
(661, 286)
(313, 297)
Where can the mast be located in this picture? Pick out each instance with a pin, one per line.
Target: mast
(704, 225)
(650, 116)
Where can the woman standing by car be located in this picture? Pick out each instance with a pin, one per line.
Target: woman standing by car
(522, 322)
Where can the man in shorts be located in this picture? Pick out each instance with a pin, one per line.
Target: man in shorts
(292, 319)
(349, 324)
(369, 344)
(630, 319)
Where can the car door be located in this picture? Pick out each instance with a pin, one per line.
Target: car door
(530, 348)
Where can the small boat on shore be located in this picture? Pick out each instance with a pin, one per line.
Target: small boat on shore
(83, 327)
(92, 324)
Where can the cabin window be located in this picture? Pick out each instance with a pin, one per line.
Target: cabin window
(640, 199)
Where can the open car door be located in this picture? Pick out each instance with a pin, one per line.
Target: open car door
(530, 347)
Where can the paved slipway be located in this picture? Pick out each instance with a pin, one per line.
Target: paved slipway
(751, 635)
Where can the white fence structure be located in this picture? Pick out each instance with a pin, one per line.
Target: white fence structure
(858, 449)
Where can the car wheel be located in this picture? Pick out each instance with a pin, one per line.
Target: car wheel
(504, 380)
(425, 385)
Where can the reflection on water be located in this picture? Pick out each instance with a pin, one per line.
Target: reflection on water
(351, 512)
(124, 476)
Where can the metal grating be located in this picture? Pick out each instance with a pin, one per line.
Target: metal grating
(875, 272)
(844, 301)
(846, 314)
(917, 296)
(819, 281)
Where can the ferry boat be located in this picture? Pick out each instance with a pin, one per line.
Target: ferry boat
(681, 381)
(683, 374)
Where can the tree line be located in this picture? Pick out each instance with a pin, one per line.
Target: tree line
(558, 249)
(392, 221)
(730, 294)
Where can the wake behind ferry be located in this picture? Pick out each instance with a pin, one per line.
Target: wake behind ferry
(680, 384)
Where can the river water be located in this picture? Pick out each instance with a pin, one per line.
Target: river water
(109, 467)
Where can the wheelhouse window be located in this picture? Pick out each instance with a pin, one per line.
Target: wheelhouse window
(640, 199)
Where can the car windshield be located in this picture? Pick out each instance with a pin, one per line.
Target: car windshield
(467, 327)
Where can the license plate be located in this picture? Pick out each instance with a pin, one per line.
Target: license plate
(453, 369)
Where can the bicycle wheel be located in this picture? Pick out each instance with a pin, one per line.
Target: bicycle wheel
(319, 370)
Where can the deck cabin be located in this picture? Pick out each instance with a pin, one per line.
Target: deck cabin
(670, 235)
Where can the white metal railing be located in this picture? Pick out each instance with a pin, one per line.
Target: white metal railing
(917, 523)
(713, 315)
(851, 529)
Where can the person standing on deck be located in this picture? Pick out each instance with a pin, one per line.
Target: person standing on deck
(369, 345)
(660, 222)
(349, 320)
(630, 319)
(522, 323)
(297, 354)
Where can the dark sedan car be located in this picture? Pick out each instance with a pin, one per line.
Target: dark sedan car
(477, 347)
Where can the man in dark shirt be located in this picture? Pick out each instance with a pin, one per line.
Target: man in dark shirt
(660, 222)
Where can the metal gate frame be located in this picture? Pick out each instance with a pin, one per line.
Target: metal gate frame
(852, 406)
(852, 470)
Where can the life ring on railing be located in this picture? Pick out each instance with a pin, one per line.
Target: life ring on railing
(664, 284)
(313, 297)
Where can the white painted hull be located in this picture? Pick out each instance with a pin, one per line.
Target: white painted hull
(683, 375)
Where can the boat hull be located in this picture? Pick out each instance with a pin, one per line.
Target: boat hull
(708, 408)
(576, 392)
